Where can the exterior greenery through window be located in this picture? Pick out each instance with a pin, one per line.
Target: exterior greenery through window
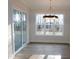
(49, 26)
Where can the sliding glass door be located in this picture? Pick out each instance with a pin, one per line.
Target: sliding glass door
(19, 29)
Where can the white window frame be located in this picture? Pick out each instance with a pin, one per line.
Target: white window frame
(45, 29)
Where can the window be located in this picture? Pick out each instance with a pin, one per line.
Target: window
(49, 26)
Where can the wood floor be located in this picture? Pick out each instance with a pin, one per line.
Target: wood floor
(44, 51)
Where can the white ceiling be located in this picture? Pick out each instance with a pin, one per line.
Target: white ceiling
(38, 4)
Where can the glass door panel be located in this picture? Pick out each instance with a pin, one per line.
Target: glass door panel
(24, 28)
(17, 30)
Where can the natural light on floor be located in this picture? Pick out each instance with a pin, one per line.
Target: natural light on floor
(54, 57)
(45, 57)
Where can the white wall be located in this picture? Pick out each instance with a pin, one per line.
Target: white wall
(50, 39)
(14, 4)
(9, 29)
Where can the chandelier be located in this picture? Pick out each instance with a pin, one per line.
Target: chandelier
(50, 16)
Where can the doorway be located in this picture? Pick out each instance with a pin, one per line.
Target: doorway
(19, 25)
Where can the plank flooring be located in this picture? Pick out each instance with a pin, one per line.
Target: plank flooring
(44, 51)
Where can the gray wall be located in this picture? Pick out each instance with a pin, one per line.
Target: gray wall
(50, 39)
